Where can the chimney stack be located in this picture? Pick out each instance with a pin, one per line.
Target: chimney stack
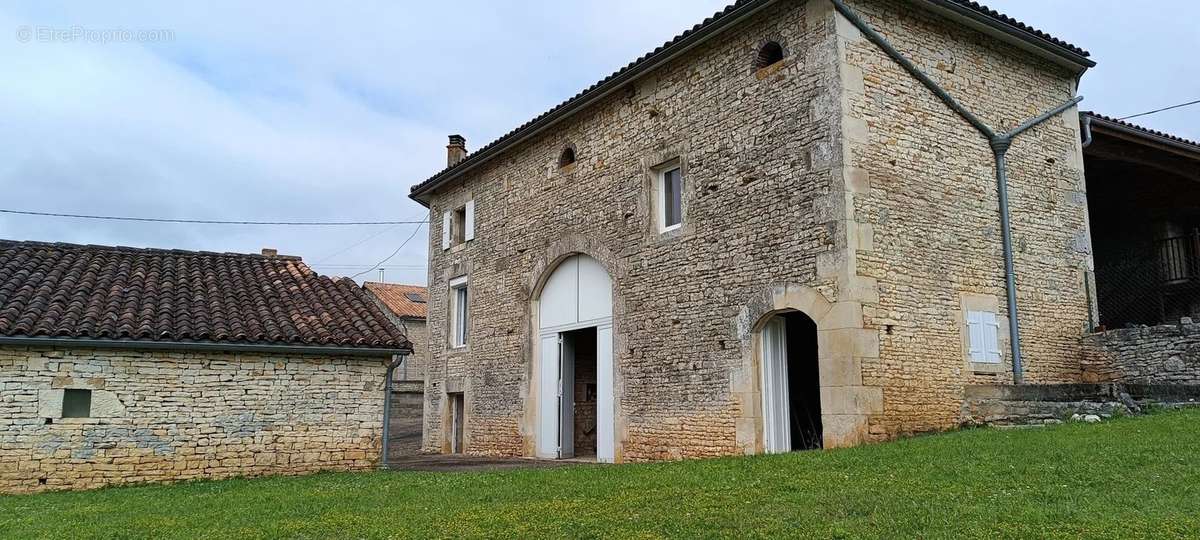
(270, 252)
(456, 151)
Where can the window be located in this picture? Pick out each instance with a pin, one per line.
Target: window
(567, 157)
(670, 198)
(983, 331)
(768, 55)
(459, 312)
(458, 225)
(77, 403)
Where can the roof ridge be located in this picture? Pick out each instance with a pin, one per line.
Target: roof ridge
(149, 250)
(632, 69)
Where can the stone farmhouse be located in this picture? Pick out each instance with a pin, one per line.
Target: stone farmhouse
(122, 365)
(767, 234)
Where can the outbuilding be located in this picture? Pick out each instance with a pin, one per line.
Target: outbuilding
(123, 365)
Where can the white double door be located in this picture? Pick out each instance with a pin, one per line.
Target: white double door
(556, 395)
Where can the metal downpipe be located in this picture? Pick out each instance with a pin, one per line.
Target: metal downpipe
(387, 411)
(999, 143)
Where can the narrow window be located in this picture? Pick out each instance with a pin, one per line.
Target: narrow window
(77, 403)
(670, 197)
(458, 225)
(567, 157)
(768, 55)
(983, 330)
(459, 311)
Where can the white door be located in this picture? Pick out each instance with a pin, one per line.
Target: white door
(547, 394)
(777, 433)
(578, 294)
(566, 397)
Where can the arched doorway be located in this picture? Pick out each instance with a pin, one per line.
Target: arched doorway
(574, 406)
(790, 379)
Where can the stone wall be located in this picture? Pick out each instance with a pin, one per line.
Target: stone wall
(754, 151)
(1168, 354)
(1008, 405)
(928, 211)
(167, 416)
(832, 183)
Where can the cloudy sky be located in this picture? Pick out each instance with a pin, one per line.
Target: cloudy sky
(305, 111)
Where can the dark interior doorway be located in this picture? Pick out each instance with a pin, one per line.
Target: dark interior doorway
(804, 385)
(581, 346)
(456, 422)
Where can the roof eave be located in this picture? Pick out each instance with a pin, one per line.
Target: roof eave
(604, 90)
(1102, 124)
(202, 346)
(1008, 33)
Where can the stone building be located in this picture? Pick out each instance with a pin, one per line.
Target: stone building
(121, 365)
(405, 306)
(764, 235)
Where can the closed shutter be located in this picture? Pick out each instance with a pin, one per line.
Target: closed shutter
(975, 336)
(469, 226)
(991, 337)
(445, 230)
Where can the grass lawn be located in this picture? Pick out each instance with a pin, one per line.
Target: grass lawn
(1127, 478)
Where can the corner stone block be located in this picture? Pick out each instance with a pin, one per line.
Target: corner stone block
(853, 400)
(848, 342)
(843, 430)
(840, 371)
(843, 315)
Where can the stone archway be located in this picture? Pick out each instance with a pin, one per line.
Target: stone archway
(608, 342)
(842, 345)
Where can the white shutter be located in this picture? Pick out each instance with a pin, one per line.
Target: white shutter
(975, 336)
(445, 230)
(991, 337)
(469, 222)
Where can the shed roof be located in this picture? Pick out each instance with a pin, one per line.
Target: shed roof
(401, 299)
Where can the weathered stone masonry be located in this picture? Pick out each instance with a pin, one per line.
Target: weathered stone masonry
(832, 183)
(1167, 354)
(169, 416)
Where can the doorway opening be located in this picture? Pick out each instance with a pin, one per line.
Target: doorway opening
(577, 435)
(456, 422)
(791, 387)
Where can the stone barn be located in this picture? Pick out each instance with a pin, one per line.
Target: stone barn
(766, 235)
(121, 365)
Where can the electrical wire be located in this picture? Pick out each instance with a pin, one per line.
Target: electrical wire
(389, 257)
(1160, 110)
(212, 221)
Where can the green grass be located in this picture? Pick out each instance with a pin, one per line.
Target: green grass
(1128, 478)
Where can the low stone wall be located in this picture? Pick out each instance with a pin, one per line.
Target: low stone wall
(1001, 404)
(1168, 354)
(168, 416)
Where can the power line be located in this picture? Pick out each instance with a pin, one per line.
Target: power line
(1161, 110)
(389, 257)
(212, 221)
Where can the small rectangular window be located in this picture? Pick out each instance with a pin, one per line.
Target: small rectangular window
(459, 311)
(983, 330)
(670, 198)
(77, 403)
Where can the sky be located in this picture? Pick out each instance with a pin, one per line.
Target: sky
(311, 111)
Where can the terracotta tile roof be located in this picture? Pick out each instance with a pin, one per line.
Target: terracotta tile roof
(109, 293)
(401, 299)
(681, 42)
(1143, 130)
